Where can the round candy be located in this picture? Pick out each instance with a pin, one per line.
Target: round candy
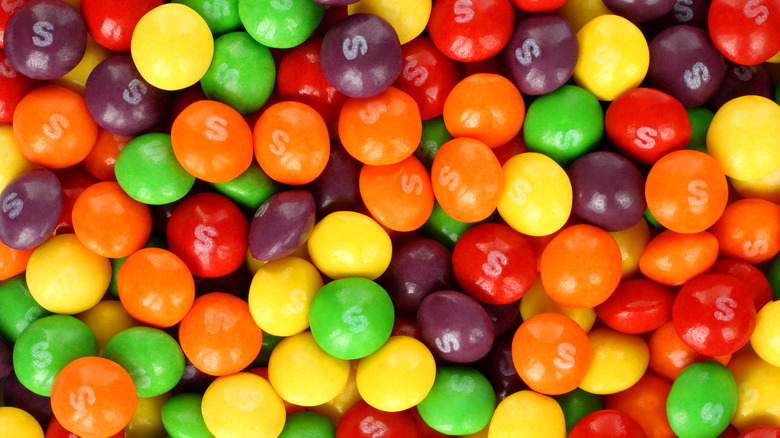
(757, 383)
(31, 207)
(537, 195)
(44, 39)
(527, 414)
(337, 187)
(280, 24)
(93, 396)
(753, 279)
(742, 80)
(351, 317)
(742, 137)
(243, 405)
(17, 423)
(111, 23)
(686, 191)
(19, 308)
(398, 376)
(152, 358)
(46, 346)
(408, 18)
(182, 417)
(106, 319)
(564, 124)
(218, 334)
(66, 277)
(613, 59)
(637, 306)
(308, 424)
(361, 55)
(11, 158)
(645, 402)
(746, 32)
(541, 53)
(695, 411)
(619, 361)
(536, 301)
(302, 373)
(15, 86)
(172, 46)
(455, 327)
(15, 394)
(350, 244)
(494, 263)
(212, 142)
(765, 335)
(250, 189)
(101, 159)
(749, 230)
(281, 225)
(551, 353)
(461, 401)
(363, 421)
(672, 258)
(607, 422)
(471, 31)
(467, 179)
(714, 314)
(220, 16)
(608, 190)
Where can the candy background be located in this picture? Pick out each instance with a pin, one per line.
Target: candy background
(483, 218)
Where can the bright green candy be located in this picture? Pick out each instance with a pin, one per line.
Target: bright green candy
(351, 317)
(461, 402)
(19, 308)
(182, 417)
(700, 118)
(434, 135)
(773, 275)
(152, 358)
(148, 172)
(280, 24)
(702, 401)
(577, 404)
(116, 264)
(46, 346)
(564, 125)
(220, 15)
(250, 189)
(652, 220)
(242, 73)
(308, 425)
(443, 228)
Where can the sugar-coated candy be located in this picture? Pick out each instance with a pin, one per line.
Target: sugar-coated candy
(221, 16)
(527, 414)
(111, 23)
(607, 422)
(32, 205)
(457, 390)
(280, 24)
(17, 423)
(181, 415)
(619, 361)
(692, 414)
(471, 31)
(243, 405)
(427, 75)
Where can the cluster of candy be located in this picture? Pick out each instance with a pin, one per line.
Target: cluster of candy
(389, 218)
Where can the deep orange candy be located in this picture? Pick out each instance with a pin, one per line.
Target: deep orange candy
(672, 258)
(749, 230)
(669, 355)
(645, 402)
(101, 159)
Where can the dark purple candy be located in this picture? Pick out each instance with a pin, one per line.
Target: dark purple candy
(541, 53)
(193, 380)
(455, 327)
(281, 224)
(30, 208)
(640, 11)
(685, 64)
(336, 188)
(419, 267)
(609, 190)
(6, 360)
(17, 395)
(502, 316)
(361, 55)
(742, 80)
(120, 100)
(688, 12)
(235, 283)
(499, 369)
(45, 39)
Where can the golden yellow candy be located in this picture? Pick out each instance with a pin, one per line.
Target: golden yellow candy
(335, 408)
(613, 57)
(172, 46)
(632, 242)
(766, 336)
(76, 79)
(350, 244)
(743, 137)
(578, 12)
(147, 420)
(106, 319)
(767, 188)
(758, 391)
(16, 423)
(408, 17)
(537, 194)
(619, 361)
(527, 414)
(280, 295)
(12, 162)
(243, 405)
(66, 277)
(536, 301)
(398, 376)
(303, 374)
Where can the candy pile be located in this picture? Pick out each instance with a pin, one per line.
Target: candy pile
(389, 218)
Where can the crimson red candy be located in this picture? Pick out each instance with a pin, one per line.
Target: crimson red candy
(31, 207)
(419, 267)
(74, 181)
(365, 421)
(745, 31)
(44, 39)
(6, 9)
(754, 280)
(499, 369)
(637, 306)
(742, 80)
(120, 100)
(361, 55)
(469, 31)
(609, 190)
(13, 87)
(685, 64)
(455, 327)
(607, 423)
(111, 22)
(761, 431)
(209, 233)
(281, 225)
(494, 263)
(640, 11)
(337, 188)
(646, 124)
(427, 76)
(541, 53)
(714, 314)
